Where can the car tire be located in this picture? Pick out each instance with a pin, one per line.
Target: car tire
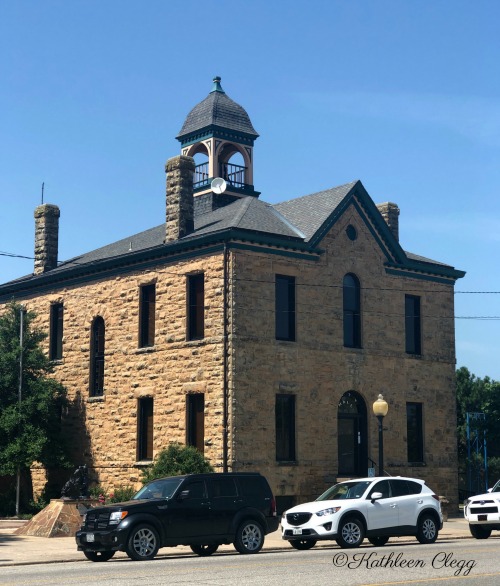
(205, 549)
(427, 529)
(303, 543)
(249, 537)
(378, 541)
(98, 556)
(351, 533)
(143, 543)
(479, 532)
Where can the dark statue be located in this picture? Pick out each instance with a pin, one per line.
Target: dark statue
(77, 486)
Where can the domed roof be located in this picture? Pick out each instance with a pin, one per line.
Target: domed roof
(217, 109)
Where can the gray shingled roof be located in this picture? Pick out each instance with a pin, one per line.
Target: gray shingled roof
(217, 109)
(309, 213)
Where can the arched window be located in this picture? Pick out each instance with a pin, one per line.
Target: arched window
(97, 358)
(352, 312)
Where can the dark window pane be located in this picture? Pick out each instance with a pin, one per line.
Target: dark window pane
(414, 431)
(56, 331)
(285, 308)
(224, 487)
(145, 430)
(285, 428)
(196, 307)
(196, 421)
(147, 316)
(97, 358)
(399, 488)
(352, 312)
(412, 324)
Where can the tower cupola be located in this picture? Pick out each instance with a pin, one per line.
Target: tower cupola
(220, 130)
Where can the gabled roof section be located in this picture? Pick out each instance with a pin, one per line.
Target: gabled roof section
(297, 225)
(310, 212)
(220, 111)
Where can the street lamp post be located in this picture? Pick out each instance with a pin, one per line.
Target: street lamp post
(380, 408)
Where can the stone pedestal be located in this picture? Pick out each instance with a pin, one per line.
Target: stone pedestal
(60, 518)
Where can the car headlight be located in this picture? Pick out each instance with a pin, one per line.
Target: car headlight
(117, 516)
(330, 511)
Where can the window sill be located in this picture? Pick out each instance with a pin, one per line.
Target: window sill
(145, 350)
(98, 399)
(143, 463)
(417, 464)
(287, 463)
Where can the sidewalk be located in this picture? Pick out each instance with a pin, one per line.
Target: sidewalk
(23, 549)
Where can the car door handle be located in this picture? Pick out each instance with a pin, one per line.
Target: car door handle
(394, 505)
(206, 504)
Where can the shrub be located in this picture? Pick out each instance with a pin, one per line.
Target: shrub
(176, 460)
(121, 494)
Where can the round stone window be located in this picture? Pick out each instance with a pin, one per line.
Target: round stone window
(351, 232)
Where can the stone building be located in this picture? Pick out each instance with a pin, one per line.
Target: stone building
(260, 333)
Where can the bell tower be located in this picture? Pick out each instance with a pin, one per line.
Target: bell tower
(219, 128)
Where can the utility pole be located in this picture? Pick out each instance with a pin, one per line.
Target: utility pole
(20, 396)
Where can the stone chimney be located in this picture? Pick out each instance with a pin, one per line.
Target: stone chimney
(390, 213)
(180, 214)
(46, 237)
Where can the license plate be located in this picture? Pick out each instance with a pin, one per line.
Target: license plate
(482, 517)
(297, 531)
(89, 537)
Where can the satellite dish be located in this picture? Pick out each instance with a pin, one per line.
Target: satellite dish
(218, 185)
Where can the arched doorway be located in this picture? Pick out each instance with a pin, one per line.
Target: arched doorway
(352, 435)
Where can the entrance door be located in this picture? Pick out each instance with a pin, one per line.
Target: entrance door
(352, 435)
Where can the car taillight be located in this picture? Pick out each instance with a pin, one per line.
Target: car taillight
(435, 496)
(273, 507)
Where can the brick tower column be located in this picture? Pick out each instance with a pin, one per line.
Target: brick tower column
(46, 237)
(180, 215)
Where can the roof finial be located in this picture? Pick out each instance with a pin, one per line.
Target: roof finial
(217, 86)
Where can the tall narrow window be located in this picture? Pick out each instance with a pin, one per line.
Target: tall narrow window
(414, 431)
(285, 308)
(285, 428)
(97, 358)
(195, 435)
(412, 325)
(147, 316)
(56, 331)
(196, 307)
(352, 312)
(145, 429)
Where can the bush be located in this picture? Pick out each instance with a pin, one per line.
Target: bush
(121, 494)
(176, 460)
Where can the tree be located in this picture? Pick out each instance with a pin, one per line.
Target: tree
(477, 395)
(30, 428)
(176, 460)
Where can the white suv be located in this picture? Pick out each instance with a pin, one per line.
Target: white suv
(483, 512)
(376, 507)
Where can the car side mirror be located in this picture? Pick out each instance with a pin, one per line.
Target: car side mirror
(376, 495)
(490, 489)
(183, 495)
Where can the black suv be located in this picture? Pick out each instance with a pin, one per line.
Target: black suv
(199, 510)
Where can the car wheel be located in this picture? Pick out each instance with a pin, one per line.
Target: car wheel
(249, 537)
(351, 532)
(479, 532)
(378, 541)
(143, 543)
(427, 531)
(205, 549)
(302, 543)
(98, 556)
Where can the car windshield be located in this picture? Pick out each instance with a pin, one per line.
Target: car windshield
(345, 490)
(496, 488)
(159, 489)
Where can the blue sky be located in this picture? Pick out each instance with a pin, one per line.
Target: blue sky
(403, 95)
